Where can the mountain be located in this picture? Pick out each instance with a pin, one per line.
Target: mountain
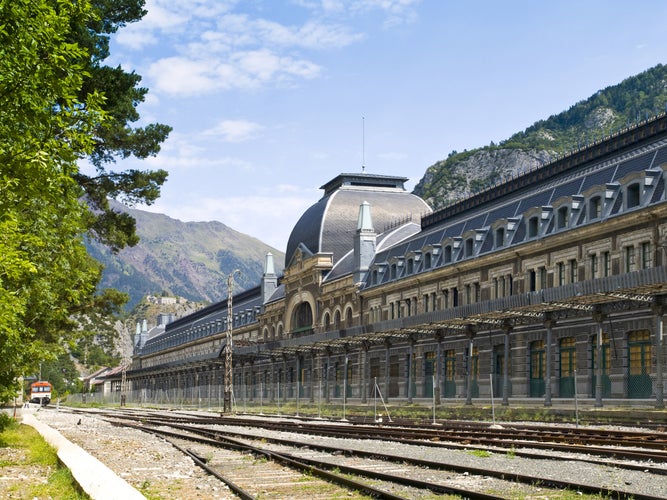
(186, 259)
(607, 111)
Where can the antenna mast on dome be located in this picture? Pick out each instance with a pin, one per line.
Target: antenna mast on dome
(363, 144)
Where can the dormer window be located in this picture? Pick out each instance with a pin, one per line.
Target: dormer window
(448, 254)
(392, 272)
(595, 208)
(562, 217)
(411, 266)
(533, 226)
(633, 195)
(469, 246)
(499, 237)
(427, 260)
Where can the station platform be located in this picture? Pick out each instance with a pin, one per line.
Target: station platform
(95, 479)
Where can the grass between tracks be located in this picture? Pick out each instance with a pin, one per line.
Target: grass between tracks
(25, 455)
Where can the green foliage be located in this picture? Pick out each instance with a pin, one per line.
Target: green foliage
(37, 455)
(63, 375)
(57, 106)
(6, 422)
(115, 138)
(45, 271)
(607, 111)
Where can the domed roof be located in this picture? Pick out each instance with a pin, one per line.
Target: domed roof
(329, 226)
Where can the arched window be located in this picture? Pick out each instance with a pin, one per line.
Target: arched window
(337, 320)
(327, 321)
(302, 317)
(348, 317)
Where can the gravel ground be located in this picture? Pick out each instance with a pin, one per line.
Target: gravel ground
(161, 472)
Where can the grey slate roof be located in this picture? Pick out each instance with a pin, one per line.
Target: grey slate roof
(330, 224)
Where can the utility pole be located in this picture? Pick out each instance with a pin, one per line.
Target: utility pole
(229, 372)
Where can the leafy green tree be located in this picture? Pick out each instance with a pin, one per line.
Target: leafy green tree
(47, 278)
(115, 138)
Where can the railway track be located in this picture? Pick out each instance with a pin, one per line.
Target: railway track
(600, 442)
(314, 456)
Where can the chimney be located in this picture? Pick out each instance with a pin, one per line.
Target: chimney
(364, 243)
(269, 279)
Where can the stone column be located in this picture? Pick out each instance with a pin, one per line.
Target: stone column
(659, 310)
(471, 337)
(364, 371)
(326, 377)
(387, 345)
(507, 329)
(549, 324)
(411, 354)
(312, 376)
(438, 367)
(598, 317)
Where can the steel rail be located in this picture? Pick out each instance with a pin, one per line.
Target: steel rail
(216, 436)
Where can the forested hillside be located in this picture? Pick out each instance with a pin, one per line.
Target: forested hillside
(186, 259)
(608, 110)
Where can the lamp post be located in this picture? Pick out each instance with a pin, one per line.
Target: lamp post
(227, 399)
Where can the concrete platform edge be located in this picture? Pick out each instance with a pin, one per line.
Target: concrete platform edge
(95, 478)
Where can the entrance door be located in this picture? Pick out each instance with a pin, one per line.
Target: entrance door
(450, 373)
(429, 372)
(568, 364)
(639, 364)
(474, 379)
(499, 373)
(606, 365)
(537, 369)
(394, 373)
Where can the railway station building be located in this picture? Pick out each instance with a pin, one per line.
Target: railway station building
(545, 286)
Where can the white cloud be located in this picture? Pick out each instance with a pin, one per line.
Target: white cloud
(178, 75)
(252, 69)
(234, 130)
(183, 152)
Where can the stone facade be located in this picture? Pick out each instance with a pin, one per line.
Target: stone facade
(548, 285)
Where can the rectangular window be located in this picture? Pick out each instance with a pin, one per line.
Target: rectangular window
(629, 259)
(606, 262)
(646, 255)
(573, 271)
(594, 266)
(560, 268)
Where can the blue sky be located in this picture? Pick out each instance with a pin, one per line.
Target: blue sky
(270, 99)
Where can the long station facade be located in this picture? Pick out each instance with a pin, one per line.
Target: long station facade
(551, 284)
